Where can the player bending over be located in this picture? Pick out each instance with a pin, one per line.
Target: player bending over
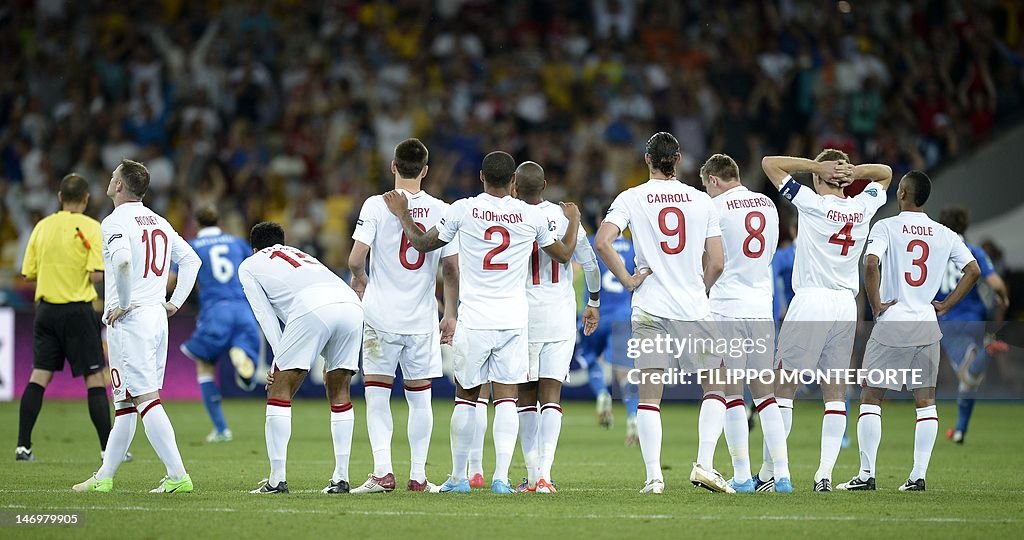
(138, 248)
(679, 256)
(401, 326)
(321, 316)
(226, 323)
(741, 302)
(552, 331)
(819, 328)
(913, 252)
(496, 234)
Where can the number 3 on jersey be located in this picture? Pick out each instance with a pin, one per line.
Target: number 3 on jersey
(918, 262)
(843, 238)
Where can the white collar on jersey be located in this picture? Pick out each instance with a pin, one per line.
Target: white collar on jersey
(208, 231)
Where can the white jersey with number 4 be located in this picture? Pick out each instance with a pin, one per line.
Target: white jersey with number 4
(154, 246)
(670, 222)
(399, 296)
(913, 252)
(282, 283)
(750, 234)
(495, 237)
(831, 235)
(549, 285)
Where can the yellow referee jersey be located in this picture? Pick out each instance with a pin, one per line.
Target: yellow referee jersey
(63, 250)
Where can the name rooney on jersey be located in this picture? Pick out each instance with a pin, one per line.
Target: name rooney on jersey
(842, 217)
(142, 221)
(756, 202)
(655, 198)
(488, 215)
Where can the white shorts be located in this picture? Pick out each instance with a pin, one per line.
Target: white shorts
(697, 351)
(751, 342)
(551, 359)
(818, 331)
(419, 355)
(482, 356)
(137, 345)
(331, 330)
(924, 359)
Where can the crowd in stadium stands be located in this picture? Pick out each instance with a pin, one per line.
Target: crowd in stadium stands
(289, 110)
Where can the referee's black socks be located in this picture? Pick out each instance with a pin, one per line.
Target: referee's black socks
(99, 411)
(31, 403)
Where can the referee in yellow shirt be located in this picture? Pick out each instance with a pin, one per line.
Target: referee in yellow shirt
(64, 257)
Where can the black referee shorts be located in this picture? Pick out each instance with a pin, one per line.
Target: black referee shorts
(69, 331)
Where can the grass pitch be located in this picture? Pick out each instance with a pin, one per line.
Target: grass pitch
(973, 490)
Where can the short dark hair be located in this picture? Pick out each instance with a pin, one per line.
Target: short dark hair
(956, 218)
(498, 168)
(529, 178)
(135, 177)
(410, 158)
(663, 149)
(207, 216)
(73, 189)
(831, 154)
(265, 234)
(920, 187)
(722, 166)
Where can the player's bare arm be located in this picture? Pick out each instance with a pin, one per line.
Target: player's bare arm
(777, 168)
(607, 234)
(714, 261)
(450, 277)
(357, 265)
(875, 172)
(971, 274)
(562, 250)
(872, 282)
(398, 204)
(999, 288)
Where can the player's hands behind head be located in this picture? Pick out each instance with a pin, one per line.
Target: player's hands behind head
(571, 211)
(838, 173)
(396, 202)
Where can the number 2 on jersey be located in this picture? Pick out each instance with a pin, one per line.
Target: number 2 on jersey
(506, 240)
(535, 265)
(918, 262)
(679, 230)
(149, 237)
(843, 238)
(403, 252)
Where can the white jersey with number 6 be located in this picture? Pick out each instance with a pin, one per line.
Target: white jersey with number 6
(831, 236)
(750, 234)
(913, 252)
(495, 237)
(670, 222)
(399, 297)
(282, 283)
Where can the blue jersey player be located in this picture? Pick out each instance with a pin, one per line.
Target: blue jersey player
(963, 326)
(226, 322)
(610, 340)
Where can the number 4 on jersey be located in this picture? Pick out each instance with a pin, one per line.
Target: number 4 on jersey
(843, 238)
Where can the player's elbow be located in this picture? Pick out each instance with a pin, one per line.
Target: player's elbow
(768, 163)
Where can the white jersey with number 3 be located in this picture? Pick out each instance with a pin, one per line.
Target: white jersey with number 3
(670, 222)
(750, 234)
(831, 236)
(399, 296)
(495, 237)
(913, 252)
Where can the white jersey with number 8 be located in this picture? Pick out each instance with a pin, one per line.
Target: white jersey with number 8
(670, 222)
(750, 234)
(495, 237)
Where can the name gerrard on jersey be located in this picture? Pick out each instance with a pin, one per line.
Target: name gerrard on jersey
(842, 217)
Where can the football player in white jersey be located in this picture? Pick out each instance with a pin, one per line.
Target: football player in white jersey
(401, 326)
(678, 258)
(552, 332)
(138, 249)
(496, 234)
(322, 316)
(819, 328)
(741, 302)
(914, 252)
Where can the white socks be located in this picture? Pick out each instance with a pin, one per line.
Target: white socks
(126, 418)
(529, 435)
(161, 436)
(379, 425)
(869, 434)
(550, 427)
(648, 429)
(421, 424)
(776, 453)
(504, 431)
(476, 453)
(278, 431)
(737, 437)
(343, 418)
(924, 439)
(462, 428)
(709, 428)
(833, 426)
